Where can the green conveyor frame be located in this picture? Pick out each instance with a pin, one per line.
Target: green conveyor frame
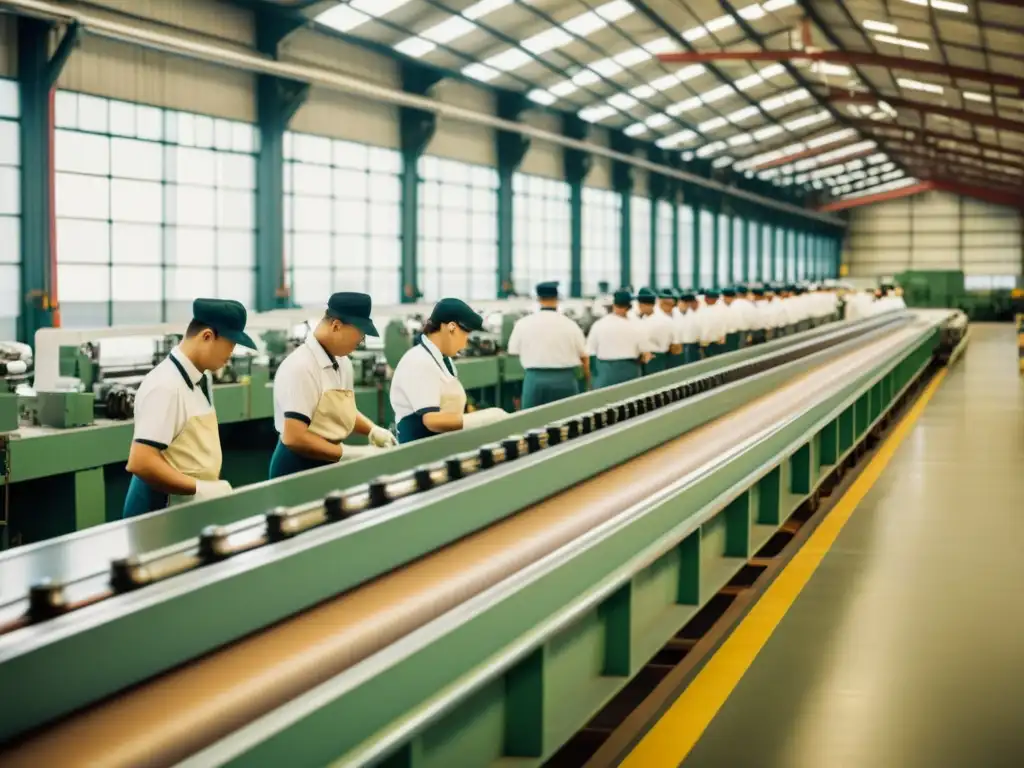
(350, 553)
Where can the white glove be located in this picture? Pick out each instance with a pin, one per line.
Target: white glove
(382, 438)
(483, 418)
(205, 489)
(350, 452)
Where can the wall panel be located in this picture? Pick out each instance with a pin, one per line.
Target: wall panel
(600, 176)
(543, 158)
(461, 141)
(8, 47)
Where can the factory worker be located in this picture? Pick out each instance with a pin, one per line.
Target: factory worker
(175, 454)
(713, 321)
(761, 320)
(620, 345)
(426, 394)
(744, 309)
(688, 327)
(734, 320)
(550, 347)
(859, 304)
(777, 311)
(665, 312)
(659, 330)
(314, 391)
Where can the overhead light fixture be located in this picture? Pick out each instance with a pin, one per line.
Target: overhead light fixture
(740, 140)
(547, 40)
(676, 139)
(880, 26)
(343, 18)
(658, 120)
(448, 30)
(540, 96)
(687, 156)
(918, 85)
(902, 41)
(485, 7)
(941, 5)
(984, 98)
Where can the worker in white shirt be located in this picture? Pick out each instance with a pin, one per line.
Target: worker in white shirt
(175, 455)
(426, 394)
(619, 344)
(688, 327)
(665, 312)
(314, 391)
(747, 314)
(713, 319)
(659, 329)
(761, 322)
(550, 348)
(859, 304)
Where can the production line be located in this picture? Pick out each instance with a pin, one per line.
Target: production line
(553, 575)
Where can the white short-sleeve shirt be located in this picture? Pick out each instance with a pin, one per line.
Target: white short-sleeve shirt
(547, 339)
(170, 395)
(417, 381)
(617, 338)
(303, 378)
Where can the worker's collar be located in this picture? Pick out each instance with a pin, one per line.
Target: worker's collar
(186, 368)
(549, 309)
(322, 356)
(432, 349)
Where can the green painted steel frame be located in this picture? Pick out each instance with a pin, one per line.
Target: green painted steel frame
(517, 670)
(141, 629)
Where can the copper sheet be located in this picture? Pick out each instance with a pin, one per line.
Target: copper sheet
(170, 717)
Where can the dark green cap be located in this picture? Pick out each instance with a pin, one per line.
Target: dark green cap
(742, 289)
(711, 293)
(622, 298)
(226, 317)
(687, 296)
(646, 296)
(548, 290)
(667, 293)
(729, 292)
(757, 291)
(352, 309)
(456, 311)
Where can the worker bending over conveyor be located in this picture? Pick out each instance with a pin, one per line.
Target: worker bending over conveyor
(175, 454)
(314, 392)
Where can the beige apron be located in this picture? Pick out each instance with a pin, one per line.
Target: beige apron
(335, 415)
(453, 396)
(196, 452)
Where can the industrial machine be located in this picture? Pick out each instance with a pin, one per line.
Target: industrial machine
(459, 600)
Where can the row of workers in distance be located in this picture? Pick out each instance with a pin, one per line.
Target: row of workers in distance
(176, 455)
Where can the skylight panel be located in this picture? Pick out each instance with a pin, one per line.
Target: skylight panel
(377, 8)
(690, 72)
(597, 113)
(585, 77)
(918, 85)
(563, 88)
(752, 12)
(636, 129)
(880, 26)
(547, 40)
(828, 68)
(615, 10)
(684, 106)
(772, 70)
(484, 7)
(585, 24)
(709, 149)
(687, 156)
(878, 157)
(717, 94)
(606, 67)
(749, 81)
(768, 132)
(540, 96)
(777, 5)
(722, 162)
(676, 139)
(642, 92)
(803, 122)
(659, 45)
(740, 140)
(941, 5)
(622, 101)
(343, 18)
(722, 22)
(658, 120)
(694, 34)
(982, 97)
(712, 125)
(415, 47)
(665, 82)
(631, 57)
(902, 41)
(830, 138)
(744, 114)
(448, 30)
(506, 61)
(480, 72)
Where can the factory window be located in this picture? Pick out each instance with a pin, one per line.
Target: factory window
(754, 251)
(640, 243)
(708, 222)
(779, 273)
(990, 282)
(666, 251)
(458, 230)
(10, 210)
(602, 230)
(723, 257)
(738, 250)
(685, 247)
(801, 255)
(154, 207)
(767, 268)
(791, 255)
(341, 219)
(541, 233)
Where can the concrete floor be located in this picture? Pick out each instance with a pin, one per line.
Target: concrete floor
(906, 648)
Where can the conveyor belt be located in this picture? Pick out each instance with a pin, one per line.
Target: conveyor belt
(171, 717)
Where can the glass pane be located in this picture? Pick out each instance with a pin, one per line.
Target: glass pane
(140, 201)
(92, 113)
(10, 240)
(85, 197)
(82, 242)
(385, 252)
(309, 286)
(149, 122)
(235, 209)
(311, 214)
(192, 246)
(194, 166)
(236, 248)
(137, 283)
(311, 179)
(192, 205)
(10, 148)
(189, 282)
(350, 252)
(237, 284)
(133, 159)
(10, 289)
(9, 103)
(311, 250)
(122, 118)
(83, 283)
(136, 244)
(10, 190)
(350, 185)
(81, 152)
(350, 217)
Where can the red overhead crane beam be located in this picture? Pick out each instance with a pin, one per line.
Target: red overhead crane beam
(855, 58)
(868, 127)
(879, 197)
(958, 187)
(839, 96)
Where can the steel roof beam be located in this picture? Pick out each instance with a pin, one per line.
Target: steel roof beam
(815, 152)
(880, 197)
(861, 58)
(929, 150)
(839, 96)
(935, 136)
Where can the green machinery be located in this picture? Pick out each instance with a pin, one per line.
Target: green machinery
(513, 669)
(947, 289)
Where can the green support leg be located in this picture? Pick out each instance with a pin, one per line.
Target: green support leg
(90, 499)
(622, 182)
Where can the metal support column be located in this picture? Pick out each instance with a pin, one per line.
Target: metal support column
(695, 246)
(674, 200)
(575, 165)
(716, 237)
(745, 237)
(622, 183)
(37, 75)
(416, 128)
(510, 148)
(277, 101)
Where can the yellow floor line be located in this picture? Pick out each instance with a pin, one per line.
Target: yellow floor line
(674, 735)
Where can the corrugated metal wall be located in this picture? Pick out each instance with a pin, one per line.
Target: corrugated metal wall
(8, 47)
(934, 231)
